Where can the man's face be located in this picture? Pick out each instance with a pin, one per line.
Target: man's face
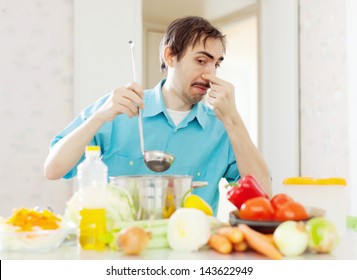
(186, 75)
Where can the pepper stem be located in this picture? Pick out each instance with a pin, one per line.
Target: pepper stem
(231, 184)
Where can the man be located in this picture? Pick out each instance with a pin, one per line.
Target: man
(209, 144)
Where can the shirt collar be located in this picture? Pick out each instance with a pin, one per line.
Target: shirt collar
(155, 105)
(198, 112)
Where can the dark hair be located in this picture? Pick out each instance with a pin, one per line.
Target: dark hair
(185, 32)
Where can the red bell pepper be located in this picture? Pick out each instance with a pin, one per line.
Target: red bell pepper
(245, 188)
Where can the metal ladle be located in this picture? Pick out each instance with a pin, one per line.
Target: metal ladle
(155, 160)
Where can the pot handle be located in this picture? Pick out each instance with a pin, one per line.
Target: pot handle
(199, 184)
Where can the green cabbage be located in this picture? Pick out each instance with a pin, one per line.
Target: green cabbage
(117, 202)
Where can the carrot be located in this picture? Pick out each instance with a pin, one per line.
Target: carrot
(259, 242)
(220, 243)
(269, 237)
(232, 233)
(240, 246)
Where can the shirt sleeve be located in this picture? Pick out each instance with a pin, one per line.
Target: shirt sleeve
(99, 139)
(232, 173)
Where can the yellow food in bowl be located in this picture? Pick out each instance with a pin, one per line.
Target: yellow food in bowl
(30, 219)
(33, 230)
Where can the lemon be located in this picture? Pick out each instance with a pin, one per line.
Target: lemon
(194, 201)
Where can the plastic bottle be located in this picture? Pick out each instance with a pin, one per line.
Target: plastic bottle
(92, 180)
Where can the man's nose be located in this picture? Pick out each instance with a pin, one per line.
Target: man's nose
(211, 69)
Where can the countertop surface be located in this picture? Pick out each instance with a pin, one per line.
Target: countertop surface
(346, 250)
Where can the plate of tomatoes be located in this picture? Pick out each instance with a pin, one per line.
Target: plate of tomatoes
(264, 214)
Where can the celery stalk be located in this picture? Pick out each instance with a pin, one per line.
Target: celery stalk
(142, 223)
(158, 243)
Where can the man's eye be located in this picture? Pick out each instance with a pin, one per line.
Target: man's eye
(201, 61)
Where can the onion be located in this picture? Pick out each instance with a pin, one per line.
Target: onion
(188, 229)
(323, 235)
(291, 238)
(133, 240)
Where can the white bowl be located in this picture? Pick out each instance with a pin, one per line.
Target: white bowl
(36, 240)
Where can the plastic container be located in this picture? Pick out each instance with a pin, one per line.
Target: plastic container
(329, 194)
(92, 181)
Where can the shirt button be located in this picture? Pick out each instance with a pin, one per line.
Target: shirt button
(198, 173)
(175, 130)
(131, 162)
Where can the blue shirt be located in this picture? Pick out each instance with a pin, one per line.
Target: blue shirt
(200, 143)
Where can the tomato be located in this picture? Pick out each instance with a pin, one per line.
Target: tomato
(279, 200)
(257, 208)
(291, 210)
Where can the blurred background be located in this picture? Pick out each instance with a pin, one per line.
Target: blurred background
(292, 62)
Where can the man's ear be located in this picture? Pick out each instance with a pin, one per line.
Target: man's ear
(169, 58)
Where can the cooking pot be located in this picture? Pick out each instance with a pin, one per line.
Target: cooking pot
(156, 196)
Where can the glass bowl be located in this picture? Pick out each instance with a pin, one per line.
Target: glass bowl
(36, 240)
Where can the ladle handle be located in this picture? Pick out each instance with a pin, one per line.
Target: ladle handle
(141, 134)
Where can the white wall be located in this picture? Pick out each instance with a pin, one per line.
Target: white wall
(49, 50)
(240, 68)
(101, 50)
(323, 89)
(152, 74)
(351, 59)
(36, 91)
(171, 9)
(328, 91)
(279, 104)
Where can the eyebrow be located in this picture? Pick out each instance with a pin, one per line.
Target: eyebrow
(210, 56)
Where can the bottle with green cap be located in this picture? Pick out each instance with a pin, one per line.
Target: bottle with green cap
(92, 181)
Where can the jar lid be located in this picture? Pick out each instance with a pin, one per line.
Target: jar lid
(314, 181)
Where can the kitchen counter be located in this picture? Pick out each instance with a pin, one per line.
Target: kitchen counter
(346, 250)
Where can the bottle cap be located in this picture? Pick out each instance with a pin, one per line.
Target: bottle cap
(93, 150)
